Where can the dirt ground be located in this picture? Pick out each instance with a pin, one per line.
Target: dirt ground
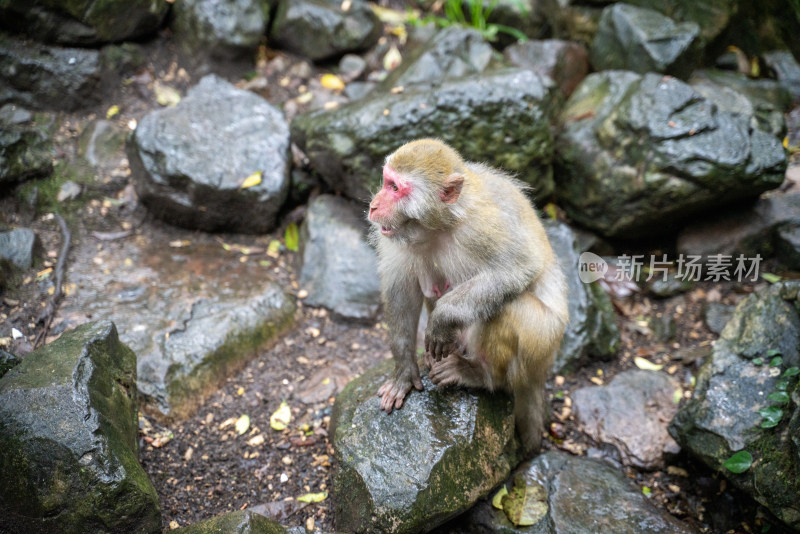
(203, 466)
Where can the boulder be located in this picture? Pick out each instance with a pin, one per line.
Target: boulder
(220, 28)
(566, 63)
(47, 77)
(639, 154)
(339, 269)
(747, 400)
(500, 118)
(592, 330)
(413, 469)
(322, 29)
(25, 149)
(631, 414)
(194, 313)
(190, 161)
(88, 22)
(712, 16)
(17, 246)
(242, 522)
(581, 496)
(68, 432)
(786, 70)
(762, 102)
(642, 40)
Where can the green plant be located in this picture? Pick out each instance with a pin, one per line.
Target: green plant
(476, 16)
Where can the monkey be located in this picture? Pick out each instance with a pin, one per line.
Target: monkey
(463, 239)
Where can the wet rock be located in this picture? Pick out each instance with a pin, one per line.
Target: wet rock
(7, 362)
(351, 67)
(321, 29)
(46, 77)
(787, 245)
(717, 316)
(25, 149)
(189, 161)
(243, 522)
(17, 246)
(735, 384)
(347, 146)
(339, 268)
(194, 314)
(762, 102)
(591, 330)
(786, 69)
(453, 52)
(747, 230)
(418, 466)
(101, 142)
(642, 40)
(526, 16)
(83, 23)
(630, 413)
(583, 496)
(639, 154)
(712, 16)
(220, 28)
(68, 420)
(564, 62)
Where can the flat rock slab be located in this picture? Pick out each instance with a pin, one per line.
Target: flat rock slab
(242, 522)
(68, 439)
(631, 413)
(583, 496)
(194, 315)
(413, 469)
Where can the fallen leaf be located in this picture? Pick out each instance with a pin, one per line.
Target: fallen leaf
(526, 503)
(305, 98)
(112, 111)
(252, 180)
(313, 497)
(273, 249)
(647, 365)
(392, 59)
(255, 441)
(166, 95)
(292, 237)
(243, 424)
(739, 462)
(281, 418)
(497, 500)
(332, 82)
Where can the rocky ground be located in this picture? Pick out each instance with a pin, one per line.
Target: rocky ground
(207, 465)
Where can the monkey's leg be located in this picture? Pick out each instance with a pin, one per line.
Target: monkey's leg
(469, 365)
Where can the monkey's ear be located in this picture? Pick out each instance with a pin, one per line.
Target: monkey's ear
(452, 188)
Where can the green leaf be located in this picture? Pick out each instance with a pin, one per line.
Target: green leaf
(646, 491)
(739, 462)
(780, 397)
(292, 237)
(777, 361)
(772, 416)
(791, 371)
(773, 352)
(497, 500)
(758, 361)
(771, 278)
(313, 497)
(782, 384)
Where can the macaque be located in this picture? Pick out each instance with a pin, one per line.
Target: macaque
(463, 239)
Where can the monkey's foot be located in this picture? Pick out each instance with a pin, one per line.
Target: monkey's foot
(394, 392)
(456, 370)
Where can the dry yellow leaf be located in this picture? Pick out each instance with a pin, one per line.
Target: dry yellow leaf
(112, 111)
(646, 365)
(281, 418)
(332, 82)
(253, 179)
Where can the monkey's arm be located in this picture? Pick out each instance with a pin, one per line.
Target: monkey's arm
(477, 299)
(402, 298)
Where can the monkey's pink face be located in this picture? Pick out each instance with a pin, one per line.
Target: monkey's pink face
(383, 208)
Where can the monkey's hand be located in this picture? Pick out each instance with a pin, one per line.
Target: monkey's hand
(440, 341)
(394, 391)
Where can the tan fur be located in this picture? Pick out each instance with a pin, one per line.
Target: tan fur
(468, 240)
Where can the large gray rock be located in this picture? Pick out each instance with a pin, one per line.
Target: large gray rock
(733, 386)
(582, 496)
(712, 16)
(194, 315)
(501, 119)
(68, 430)
(25, 149)
(762, 102)
(220, 28)
(592, 330)
(453, 52)
(564, 62)
(84, 22)
(242, 522)
(411, 470)
(747, 230)
(786, 69)
(340, 269)
(642, 40)
(631, 414)
(638, 154)
(16, 246)
(45, 77)
(321, 29)
(190, 161)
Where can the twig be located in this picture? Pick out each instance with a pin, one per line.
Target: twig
(46, 316)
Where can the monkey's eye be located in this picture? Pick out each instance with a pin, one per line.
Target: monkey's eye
(392, 186)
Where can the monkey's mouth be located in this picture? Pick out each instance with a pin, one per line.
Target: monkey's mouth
(388, 232)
